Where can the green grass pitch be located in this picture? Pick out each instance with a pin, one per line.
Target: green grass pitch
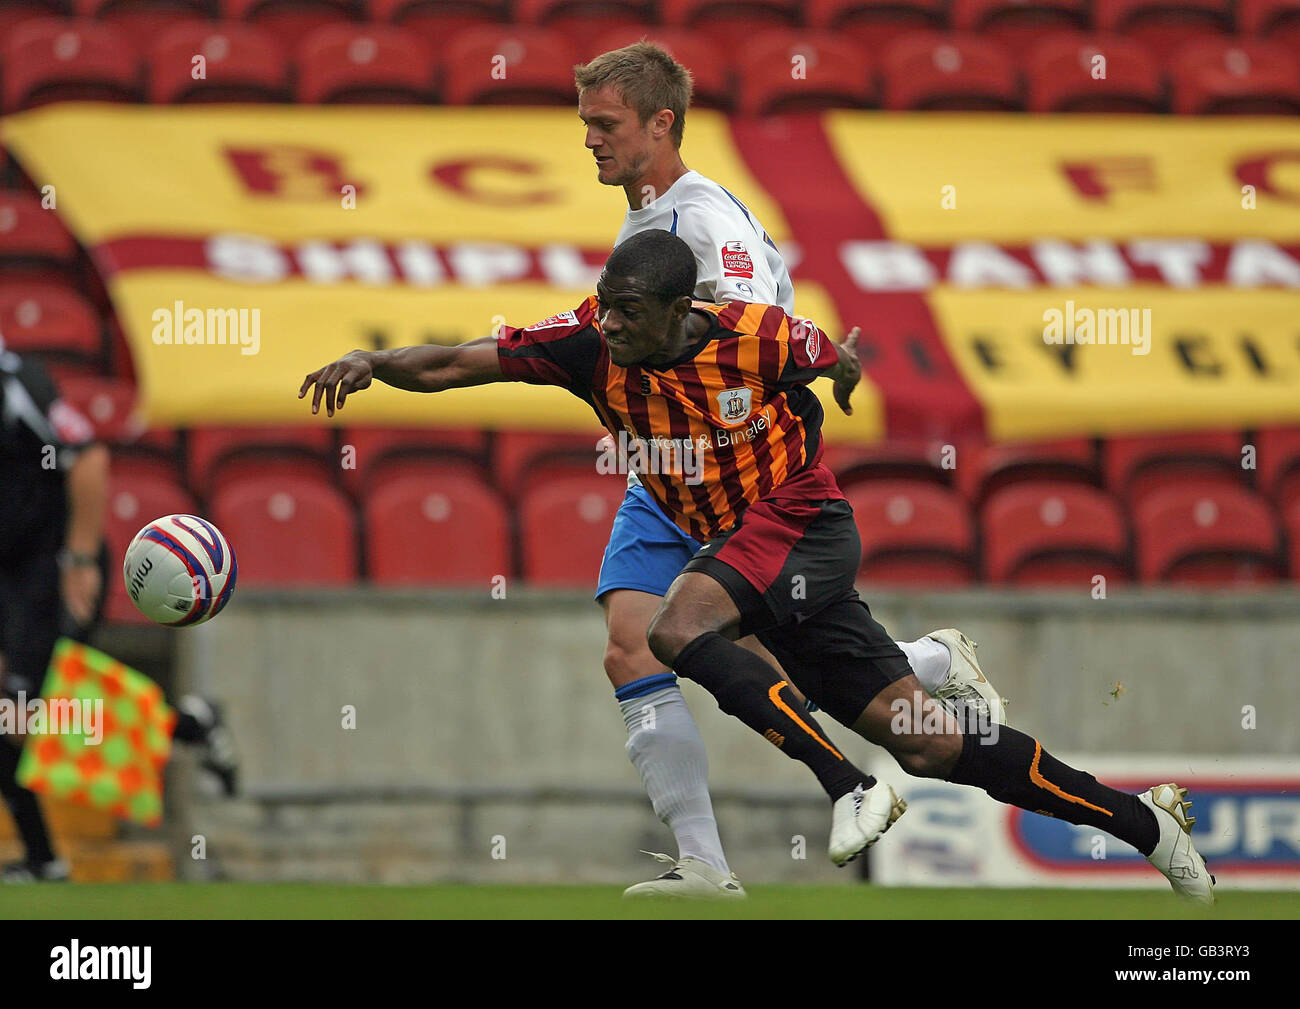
(309, 900)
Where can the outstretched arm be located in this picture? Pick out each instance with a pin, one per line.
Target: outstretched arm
(424, 368)
(848, 372)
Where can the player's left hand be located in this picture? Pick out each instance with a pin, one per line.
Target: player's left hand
(80, 585)
(850, 370)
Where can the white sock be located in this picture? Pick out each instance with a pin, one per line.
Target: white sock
(930, 661)
(665, 745)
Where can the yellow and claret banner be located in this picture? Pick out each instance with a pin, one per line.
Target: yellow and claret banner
(1025, 276)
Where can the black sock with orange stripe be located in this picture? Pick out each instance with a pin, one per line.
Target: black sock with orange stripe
(1017, 770)
(747, 687)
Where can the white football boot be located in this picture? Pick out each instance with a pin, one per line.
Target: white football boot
(1174, 854)
(859, 818)
(690, 879)
(966, 683)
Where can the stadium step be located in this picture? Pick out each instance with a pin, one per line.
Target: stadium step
(108, 861)
(67, 822)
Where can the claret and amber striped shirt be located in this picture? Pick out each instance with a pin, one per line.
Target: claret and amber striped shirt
(739, 398)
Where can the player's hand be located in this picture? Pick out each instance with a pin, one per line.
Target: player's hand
(350, 373)
(850, 370)
(81, 584)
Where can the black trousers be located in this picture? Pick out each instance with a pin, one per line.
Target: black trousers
(32, 618)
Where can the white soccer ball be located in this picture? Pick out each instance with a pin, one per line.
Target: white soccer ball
(179, 570)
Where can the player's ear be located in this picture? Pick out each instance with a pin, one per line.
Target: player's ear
(681, 308)
(662, 124)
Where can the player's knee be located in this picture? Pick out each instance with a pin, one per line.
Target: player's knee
(926, 755)
(669, 634)
(626, 663)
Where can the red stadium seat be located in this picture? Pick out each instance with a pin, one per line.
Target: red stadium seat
(1052, 533)
(1019, 24)
(16, 12)
(1275, 20)
(913, 533)
(736, 18)
(583, 18)
(515, 454)
(873, 24)
(1240, 77)
(373, 449)
(1291, 523)
(437, 21)
(932, 71)
(1064, 68)
(138, 460)
(1134, 467)
(709, 64)
(1206, 535)
(1163, 26)
(288, 530)
(564, 524)
(34, 244)
(1278, 462)
(142, 19)
(783, 71)
(896, 459)
(243, 64)
(214, 449)
(985, 469)
(134, 500)
(289, 21)
(70, 370)
(51, 320)
(54, 60)
(440, 524)
(506, 66)
(341, 64)
(108, 404)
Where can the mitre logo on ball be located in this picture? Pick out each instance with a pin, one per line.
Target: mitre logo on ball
(734, 405)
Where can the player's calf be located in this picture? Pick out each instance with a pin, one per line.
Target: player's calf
(918, 731)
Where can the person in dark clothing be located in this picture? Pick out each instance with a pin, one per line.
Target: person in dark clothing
(53, 569)
(53, 490)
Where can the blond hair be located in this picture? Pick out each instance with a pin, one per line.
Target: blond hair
(646, 77)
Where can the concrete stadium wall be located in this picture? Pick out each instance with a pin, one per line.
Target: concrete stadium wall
(482, 723)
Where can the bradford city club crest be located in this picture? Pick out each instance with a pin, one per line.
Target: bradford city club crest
(734, 405)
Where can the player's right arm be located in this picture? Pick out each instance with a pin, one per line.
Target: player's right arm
(426, 368)
(562, 350)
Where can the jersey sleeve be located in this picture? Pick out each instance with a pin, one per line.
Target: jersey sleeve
(811, 353)
(51, 419)
(729, 260)
(563, 350)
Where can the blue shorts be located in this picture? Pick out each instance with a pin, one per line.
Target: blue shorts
(646, 551)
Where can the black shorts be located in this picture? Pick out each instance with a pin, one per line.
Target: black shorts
(789, 566)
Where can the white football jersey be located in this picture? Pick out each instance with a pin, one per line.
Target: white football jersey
(734, 258)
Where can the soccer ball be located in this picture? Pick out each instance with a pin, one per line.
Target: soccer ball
(179, 570)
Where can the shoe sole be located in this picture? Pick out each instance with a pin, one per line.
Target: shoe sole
(1179, 810)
